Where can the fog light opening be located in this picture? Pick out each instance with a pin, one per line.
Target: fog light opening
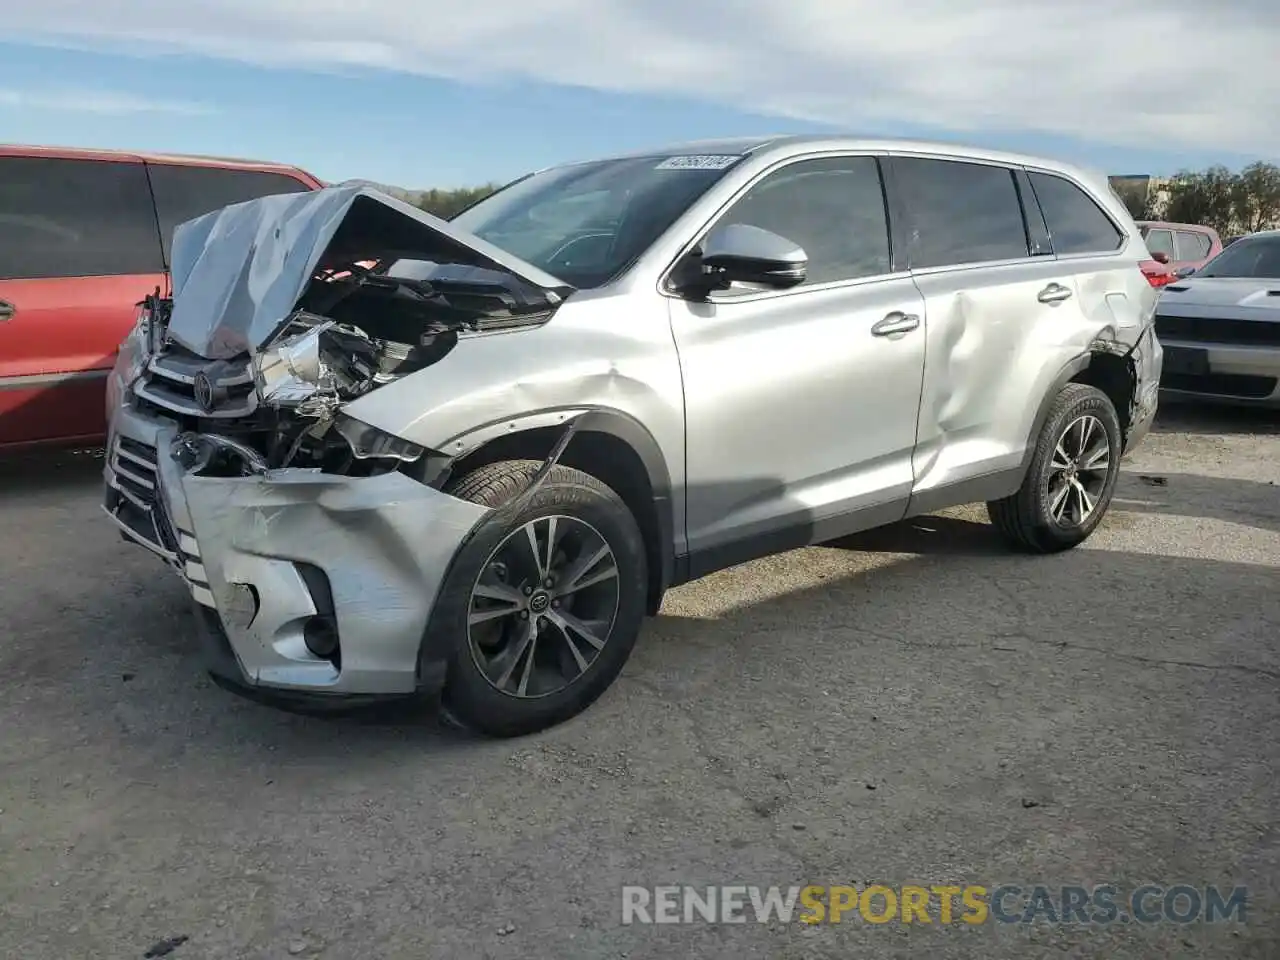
(320, 631)
(320, 634)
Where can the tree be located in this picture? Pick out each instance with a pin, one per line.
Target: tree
(449, 203)
(1134, 193)
(1207, 198)
(1257, 197)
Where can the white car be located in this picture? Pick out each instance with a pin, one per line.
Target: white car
(1220, 326)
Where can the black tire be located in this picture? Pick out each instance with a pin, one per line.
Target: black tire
(470, 698)
(1026, 519)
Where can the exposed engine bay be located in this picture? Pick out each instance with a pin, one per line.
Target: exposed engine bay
(389, 295)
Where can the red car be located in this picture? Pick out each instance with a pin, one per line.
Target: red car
(1180, 245)
(84, 236)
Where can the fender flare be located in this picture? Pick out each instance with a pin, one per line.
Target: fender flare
(634, 434)
(593, 419)
(1070, 370)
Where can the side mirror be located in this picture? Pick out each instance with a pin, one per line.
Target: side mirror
(1160, 257)
(741, 253)
(1185, 272)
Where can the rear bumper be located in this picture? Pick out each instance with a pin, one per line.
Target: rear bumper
(1148, 364)
(1240, 374)
(264, 556)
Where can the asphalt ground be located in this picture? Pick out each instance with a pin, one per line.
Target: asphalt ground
(913, 705)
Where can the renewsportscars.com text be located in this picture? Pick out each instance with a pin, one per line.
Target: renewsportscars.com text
(942, 904)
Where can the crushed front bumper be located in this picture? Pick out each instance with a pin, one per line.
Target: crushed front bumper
(265, 555)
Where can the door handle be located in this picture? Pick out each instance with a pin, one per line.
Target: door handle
(6, 310)
(896, 322)
(1054, 293)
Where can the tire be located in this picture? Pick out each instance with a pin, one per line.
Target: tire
(480, 692)
(1034, 519)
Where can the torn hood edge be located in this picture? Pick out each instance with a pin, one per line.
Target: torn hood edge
(239, 272)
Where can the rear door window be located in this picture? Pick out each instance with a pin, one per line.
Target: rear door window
(960, 212)
(75, 218)
(1160, 241)
(1192, 245)
(185, 192)
(1076, 223)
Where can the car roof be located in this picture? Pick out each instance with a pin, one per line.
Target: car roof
(1174, 225)
(137, 156)
(790, 144)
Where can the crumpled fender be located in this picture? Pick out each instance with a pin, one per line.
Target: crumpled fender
(499, 383)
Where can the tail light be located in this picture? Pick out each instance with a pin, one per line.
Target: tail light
(1157, 274)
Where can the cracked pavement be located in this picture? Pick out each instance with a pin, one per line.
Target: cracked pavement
(910, 705)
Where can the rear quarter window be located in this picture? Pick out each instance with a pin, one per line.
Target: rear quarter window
(75, 218)
(1076, 223)
(185, 192)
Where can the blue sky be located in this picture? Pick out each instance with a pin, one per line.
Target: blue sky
(376, 111)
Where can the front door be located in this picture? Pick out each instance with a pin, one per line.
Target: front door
(801, 404)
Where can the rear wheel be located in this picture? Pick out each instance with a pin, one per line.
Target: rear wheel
(543, 606)
(1072, 476)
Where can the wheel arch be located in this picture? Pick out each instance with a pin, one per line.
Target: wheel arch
(1108, 366)
(612, 446)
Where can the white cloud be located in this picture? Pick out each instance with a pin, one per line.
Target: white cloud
(103, 102)
(1170, 74)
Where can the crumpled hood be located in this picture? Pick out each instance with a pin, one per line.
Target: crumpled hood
(1246, 299)
(238, 272)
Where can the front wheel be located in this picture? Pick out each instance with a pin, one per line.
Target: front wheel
(543, 605)
(1072, 476)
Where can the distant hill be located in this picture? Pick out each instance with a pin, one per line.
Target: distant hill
(443, 203)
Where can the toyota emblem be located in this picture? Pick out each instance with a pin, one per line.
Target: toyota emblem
(203, 389)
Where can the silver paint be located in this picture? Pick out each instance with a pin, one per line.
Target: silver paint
(769, 408)
(238, 272)
(384, 542)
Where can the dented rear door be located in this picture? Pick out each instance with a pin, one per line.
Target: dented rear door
(1002, 316)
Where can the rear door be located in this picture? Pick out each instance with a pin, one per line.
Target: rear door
(79, 248)
(995, 298)
(184, 192)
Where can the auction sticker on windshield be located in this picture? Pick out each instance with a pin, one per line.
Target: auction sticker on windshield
(698, 163)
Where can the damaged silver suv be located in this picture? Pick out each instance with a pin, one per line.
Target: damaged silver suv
(392, 455)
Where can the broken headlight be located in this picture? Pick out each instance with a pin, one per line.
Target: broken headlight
(368, 443)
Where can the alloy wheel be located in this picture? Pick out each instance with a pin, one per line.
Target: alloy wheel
(543, 606)
(1078, 471)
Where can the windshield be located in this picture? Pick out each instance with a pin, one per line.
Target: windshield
(1252, 258)
(588, 222)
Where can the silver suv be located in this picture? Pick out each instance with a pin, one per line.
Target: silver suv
(392, 455)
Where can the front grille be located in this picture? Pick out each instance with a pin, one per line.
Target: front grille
(1242, 386)
(169, 384)
(134, 499)
(134, 466)
(131, 491)
(1257, 333)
